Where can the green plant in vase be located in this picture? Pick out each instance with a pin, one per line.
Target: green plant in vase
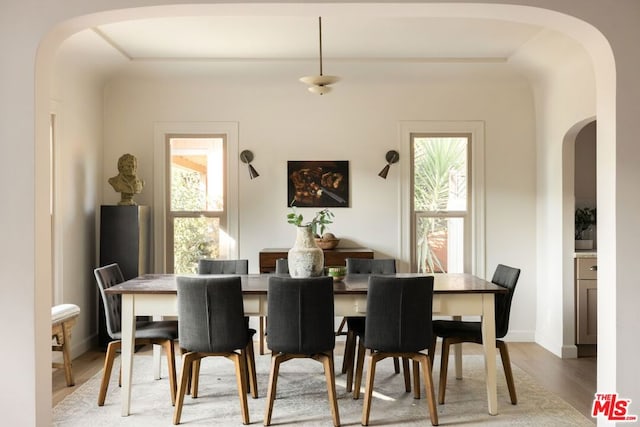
(318, 224)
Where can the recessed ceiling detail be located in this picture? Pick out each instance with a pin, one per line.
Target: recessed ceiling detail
(287, 38)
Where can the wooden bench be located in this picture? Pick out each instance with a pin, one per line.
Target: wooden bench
(63, 318)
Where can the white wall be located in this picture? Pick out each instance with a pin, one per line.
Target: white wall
(77, 88)
(564, 94)
(279, 121)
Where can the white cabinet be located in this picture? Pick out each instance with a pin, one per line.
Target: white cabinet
(586, 300)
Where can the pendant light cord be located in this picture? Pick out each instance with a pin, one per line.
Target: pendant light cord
(320, 32)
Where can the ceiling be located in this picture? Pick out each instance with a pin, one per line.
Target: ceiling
(347, 38)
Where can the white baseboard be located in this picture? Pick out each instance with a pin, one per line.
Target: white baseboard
(569, 352)
(520, 336)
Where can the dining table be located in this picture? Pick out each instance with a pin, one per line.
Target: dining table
(453, 295)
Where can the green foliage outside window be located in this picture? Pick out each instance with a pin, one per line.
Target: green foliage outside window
(194, 238)
(439, 174)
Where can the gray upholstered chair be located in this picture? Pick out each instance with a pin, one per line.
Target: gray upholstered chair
(398, 324)
(223, 266)
(456, 331)
(231, 266)
(212, 323)
(355, 325)
(147, 332)
(301, 316)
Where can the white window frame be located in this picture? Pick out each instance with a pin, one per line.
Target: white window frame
(171, 216)
(161, 133)
(464, 215)
(477, 208)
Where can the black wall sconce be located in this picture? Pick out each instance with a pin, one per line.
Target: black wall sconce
(247, 157)
(392, 157)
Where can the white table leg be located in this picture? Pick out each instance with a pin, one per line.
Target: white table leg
(128, 341)
(489, 344)
(157, 354)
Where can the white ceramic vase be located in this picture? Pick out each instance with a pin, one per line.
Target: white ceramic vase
(306, 259)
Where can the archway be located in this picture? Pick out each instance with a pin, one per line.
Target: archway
(50, 43)
(568, 210)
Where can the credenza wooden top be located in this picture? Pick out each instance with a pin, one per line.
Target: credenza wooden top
(286, 250)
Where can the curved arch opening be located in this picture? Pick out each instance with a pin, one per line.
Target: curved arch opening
(590, 38)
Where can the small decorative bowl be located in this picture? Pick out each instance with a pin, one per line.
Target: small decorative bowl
(337, 272)
(327, 243)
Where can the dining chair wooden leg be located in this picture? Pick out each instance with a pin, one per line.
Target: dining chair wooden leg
(327, 362)
(188, 360)
(350, 358)
(506, 363)
(368, 390)
(428, 384)
(250, 359)
(188, 389)
(416, 379)
(195, 378)
(432, 350)
(171, 365)
(396, 365)
(407, 374)
(349, 351)
(112, 348)
(276, 359)
(359, 368)
(241, 379)
(444, 363)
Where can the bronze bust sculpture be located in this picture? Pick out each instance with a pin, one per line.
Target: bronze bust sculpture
(127, 182)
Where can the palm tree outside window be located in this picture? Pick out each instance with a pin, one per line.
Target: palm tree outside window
(441, 202)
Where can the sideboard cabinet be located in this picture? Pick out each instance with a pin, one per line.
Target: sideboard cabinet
(268, 256)
(586, 274)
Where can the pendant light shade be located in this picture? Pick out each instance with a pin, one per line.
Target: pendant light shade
(319, 84)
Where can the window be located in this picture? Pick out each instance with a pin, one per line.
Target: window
(441, 232)
(197, 202)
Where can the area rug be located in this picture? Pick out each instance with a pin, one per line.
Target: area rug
(302, 399)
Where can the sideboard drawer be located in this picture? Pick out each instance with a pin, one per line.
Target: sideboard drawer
(587, 268)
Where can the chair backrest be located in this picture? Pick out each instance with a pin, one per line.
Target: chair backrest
(106, 277)
(370, 266)
(211, 314)
(507, 277)
(301, 315)
(223, 266)
(282, 266)
(399, 313)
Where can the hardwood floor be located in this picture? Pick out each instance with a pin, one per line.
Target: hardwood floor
(574, 380)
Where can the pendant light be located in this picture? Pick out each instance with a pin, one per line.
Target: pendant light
(319, 84)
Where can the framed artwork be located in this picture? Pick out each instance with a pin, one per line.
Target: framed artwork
(318, 183)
